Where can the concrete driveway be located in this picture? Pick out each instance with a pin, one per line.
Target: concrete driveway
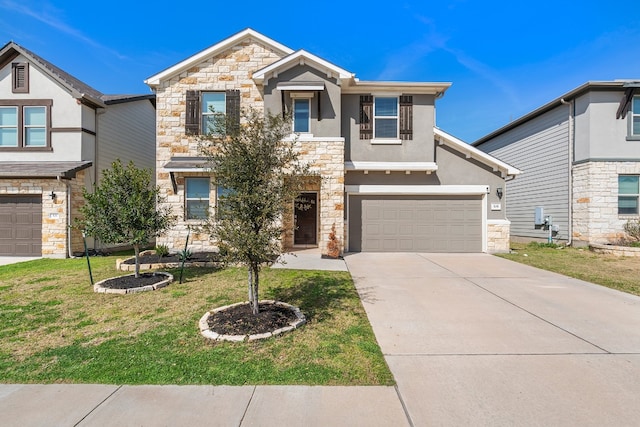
(473, 339)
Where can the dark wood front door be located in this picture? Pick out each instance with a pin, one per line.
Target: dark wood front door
(305, 211)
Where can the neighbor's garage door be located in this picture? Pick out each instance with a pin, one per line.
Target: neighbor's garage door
(415, 223)
(21, 225)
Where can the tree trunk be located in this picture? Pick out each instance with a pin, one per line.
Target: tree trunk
(254, 278)
(136, 250)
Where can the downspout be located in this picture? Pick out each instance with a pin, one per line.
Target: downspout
(571, 141)
(68, 186)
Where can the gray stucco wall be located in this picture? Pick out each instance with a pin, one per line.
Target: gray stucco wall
(419, 149)
(540, 149)
(329, 125)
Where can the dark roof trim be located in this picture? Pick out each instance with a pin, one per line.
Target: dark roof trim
(120, 99)
(587, 87)
(64, 170)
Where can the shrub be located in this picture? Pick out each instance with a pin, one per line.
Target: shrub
(632, 228)
(162, 250)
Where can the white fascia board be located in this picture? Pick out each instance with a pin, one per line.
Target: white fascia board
(301, 87)
(214, 50)
(391, 166)
(428, 88)
(423, 190)
(301, 56)
(470, 150)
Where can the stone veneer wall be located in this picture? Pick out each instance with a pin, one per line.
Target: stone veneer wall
(498, 236)
(595, 201)
(54, 212)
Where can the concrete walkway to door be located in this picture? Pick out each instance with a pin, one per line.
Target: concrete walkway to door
(474, 339)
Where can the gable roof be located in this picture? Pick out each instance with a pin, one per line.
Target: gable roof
(246, 34)
(572, 94)
(470, 151)
(301, 57)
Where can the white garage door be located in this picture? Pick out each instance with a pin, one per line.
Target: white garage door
(415, 223)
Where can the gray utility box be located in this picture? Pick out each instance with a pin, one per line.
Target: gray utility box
(538, 216)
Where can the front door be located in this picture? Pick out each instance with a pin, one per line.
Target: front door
(305, 211)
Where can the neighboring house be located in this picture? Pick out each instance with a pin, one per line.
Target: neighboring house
(57, 135)
(387, 178)
(580, 157)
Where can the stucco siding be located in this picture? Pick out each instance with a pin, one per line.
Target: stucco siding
(540, 149)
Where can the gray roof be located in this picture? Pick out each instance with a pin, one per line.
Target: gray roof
(65, 170)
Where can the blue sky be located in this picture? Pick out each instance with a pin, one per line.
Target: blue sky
(504, 58)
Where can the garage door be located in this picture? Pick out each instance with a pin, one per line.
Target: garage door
(415, 223)
(21, 225)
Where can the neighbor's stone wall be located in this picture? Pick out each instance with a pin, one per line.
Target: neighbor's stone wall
(54, 212)
(498, 236)
(595, 201)
(232, 69)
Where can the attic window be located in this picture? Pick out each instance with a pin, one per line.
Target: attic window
(20, 77)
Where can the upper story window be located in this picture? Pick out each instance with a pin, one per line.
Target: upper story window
(20, 77)
(635, 116)
(25, 125)
(196, 198)
(301, 115)
(628, 193)
(199, 115)
(386, 119)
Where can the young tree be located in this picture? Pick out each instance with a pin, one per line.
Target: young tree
(122, 209)
(260, 174)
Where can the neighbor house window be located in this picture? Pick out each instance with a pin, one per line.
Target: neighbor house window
(20, 77)
(196, 198)
(635, 116)
(24, 124)
(301, 115)
(202, 107)
(628, 192)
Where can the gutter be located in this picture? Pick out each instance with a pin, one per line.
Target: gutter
(570, 143)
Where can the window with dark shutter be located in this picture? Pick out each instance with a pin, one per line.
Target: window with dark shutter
(20, 77)
(406, 117)
(192, 116)
(366, 117)
(233, 110)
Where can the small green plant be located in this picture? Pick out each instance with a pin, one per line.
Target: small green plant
(162, 250)
(185, 255)
(632, 228)
(537, 245)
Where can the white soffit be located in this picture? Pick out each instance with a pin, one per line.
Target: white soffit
(301, 57)
(301, 86)
(391, 166)
(423, 190)
(214, 50)
(426, 88)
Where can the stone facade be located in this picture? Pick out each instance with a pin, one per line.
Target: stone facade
(233, 70)
(498, 237)
(595, 201)
(55, 225)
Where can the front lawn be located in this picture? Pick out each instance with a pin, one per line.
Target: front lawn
(622, 273)
(55, 329)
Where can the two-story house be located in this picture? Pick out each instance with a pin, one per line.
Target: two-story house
(57, 135)
(580, 157)
(388, 179)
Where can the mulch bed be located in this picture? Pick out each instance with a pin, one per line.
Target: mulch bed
(155, 259)
(130, 281)
(239, 320)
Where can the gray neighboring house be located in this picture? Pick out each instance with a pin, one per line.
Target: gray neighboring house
(388, 179)
(580, 157)
(57, 135)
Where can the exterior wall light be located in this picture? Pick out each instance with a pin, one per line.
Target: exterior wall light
(499, 192)
(53, 196)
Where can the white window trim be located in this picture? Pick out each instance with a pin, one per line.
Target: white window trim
(636, 195)
(633, 115)
(293, 124)
(389, 141)
(186, 199)
(207, 114)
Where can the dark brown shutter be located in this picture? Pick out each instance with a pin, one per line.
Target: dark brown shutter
(20, 77)
(625, 103)
(366, 117)
(192, 116)
(406, 117)
(233, 110)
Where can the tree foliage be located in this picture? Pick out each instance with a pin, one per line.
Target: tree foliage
(257, 165)
(122, 209)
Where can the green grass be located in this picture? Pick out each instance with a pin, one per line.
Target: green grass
(619, 273)
(55, 329)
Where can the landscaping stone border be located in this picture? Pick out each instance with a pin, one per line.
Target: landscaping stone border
(208, 333)
(97, 287)
(615, 250)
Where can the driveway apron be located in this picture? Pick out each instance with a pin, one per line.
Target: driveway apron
(474, 339)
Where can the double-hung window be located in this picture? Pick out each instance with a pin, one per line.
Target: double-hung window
(214, 107)
(197, 198)
(204, 107)
(221, 207)
(301, 115)
(628, 193)
(635, 116)
(24, 124)
(385, 118)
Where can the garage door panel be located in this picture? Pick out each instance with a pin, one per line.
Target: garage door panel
(21, 230)
(416, 223)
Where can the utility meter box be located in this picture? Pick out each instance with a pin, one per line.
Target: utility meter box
(538, 216)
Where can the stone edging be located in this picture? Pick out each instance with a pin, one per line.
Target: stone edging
(103, 290)
(206, 332)
(120, 264)
(615, 250)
